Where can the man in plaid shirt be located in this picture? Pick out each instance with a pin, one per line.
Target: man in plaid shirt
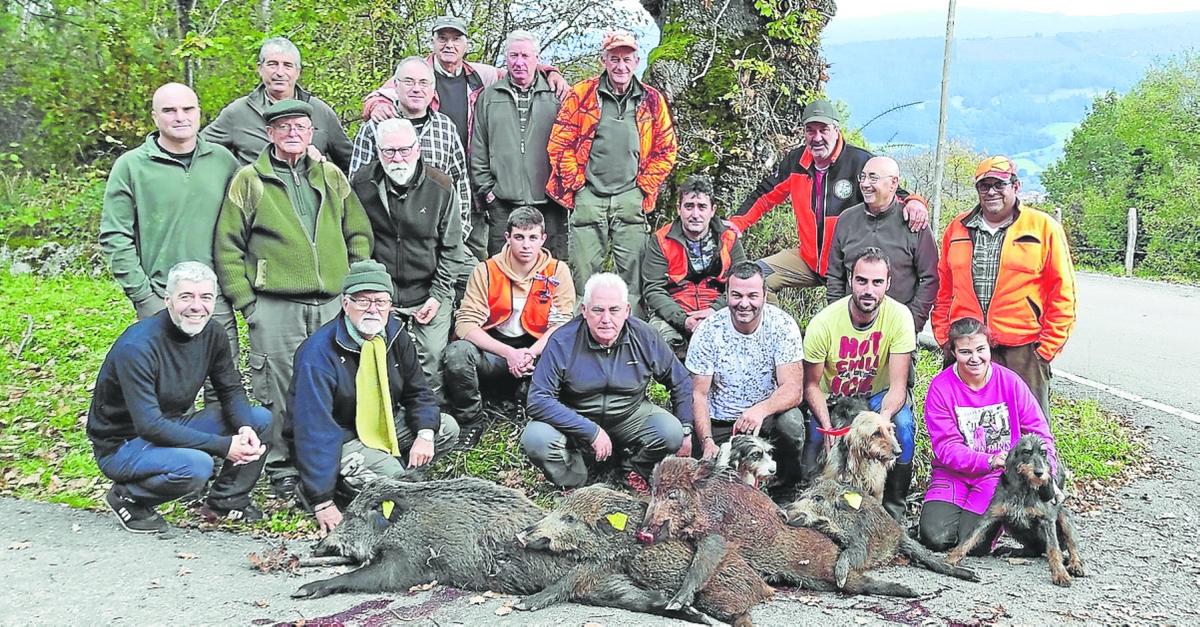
(440, 145)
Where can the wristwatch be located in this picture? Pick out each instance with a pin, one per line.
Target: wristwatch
(687, 431)
(425, 434)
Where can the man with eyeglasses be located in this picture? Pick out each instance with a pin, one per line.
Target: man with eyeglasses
(414, 214)
(240, 127)
(1009, 266)
(362, 409)
(878, 222)
(819, 178)
(289, 229)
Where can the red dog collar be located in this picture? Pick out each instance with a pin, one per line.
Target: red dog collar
(837, 433)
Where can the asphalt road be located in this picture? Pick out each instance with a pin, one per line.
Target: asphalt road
(1139, 336)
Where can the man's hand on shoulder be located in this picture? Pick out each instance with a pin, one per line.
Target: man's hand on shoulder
(559, 84)
(916, 214)
(383, 111)
(696, 317)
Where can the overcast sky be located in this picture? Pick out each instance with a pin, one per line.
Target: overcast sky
(863, 8)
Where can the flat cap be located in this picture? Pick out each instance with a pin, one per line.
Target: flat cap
(287, 109)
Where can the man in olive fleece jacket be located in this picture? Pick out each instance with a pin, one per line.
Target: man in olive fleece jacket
(289, 230)
(161, 204)
(241, 126)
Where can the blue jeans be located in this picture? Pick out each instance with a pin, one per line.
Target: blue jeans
(155, 474)
(906, 429)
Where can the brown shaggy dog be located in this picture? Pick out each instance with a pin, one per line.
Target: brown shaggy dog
(863, 456)
(690, 499)
(1026, 504)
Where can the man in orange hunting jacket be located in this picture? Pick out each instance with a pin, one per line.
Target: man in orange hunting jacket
(1010, 267)
(611, 148)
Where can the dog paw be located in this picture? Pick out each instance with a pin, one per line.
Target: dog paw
(1061, 579)
(953, 558)
(1076, 569)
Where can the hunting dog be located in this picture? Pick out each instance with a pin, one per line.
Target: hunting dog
(1027, 506)
(749, 457)
(866, 450)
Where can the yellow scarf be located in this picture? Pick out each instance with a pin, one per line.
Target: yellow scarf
(373, 418)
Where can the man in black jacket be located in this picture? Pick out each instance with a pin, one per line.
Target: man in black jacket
(414, 214)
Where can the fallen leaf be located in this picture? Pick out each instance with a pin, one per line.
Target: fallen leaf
(261, 603)
(17, 546)
(187, 556)
(1017, 561)
(860, 620)
(503, 610)
(476, 600)
(184, 571)
(154, 585)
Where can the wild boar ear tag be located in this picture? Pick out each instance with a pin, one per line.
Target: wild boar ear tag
(618, 520)
(853, 499)
(387, 509)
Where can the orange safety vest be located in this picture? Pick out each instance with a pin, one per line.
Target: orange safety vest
(693, 296)
(535, 317)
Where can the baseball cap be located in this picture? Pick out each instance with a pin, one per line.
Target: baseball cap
(618, 39)
(997, 167)
(820, 110)
(449, 21)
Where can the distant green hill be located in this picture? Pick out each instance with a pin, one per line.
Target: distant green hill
(1020, 96)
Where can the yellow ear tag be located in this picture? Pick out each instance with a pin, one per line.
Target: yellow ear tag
(387, 509)
(618, 520)
(853, 499)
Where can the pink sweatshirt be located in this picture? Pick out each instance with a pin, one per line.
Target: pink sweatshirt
(966, 427)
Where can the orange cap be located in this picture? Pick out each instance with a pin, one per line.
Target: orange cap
(998, 167)
(618, 39)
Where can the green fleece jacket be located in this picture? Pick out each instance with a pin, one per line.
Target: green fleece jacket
(261, 245)
(240, 128)
(158, 212)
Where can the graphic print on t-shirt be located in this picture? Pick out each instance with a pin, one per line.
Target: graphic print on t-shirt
(857, 365)
(985, 429)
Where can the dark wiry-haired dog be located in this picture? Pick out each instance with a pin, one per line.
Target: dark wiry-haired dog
(749, 457)
(1025, 504)
(692, 500)
(867, 450)
(868, 535)
(596, 525)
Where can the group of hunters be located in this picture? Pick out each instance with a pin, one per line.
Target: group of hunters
(386, 280)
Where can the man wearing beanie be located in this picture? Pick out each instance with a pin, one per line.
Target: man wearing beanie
(288, 231)
(361, 408)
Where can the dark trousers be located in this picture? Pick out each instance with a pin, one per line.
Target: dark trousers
(466, 368)
(156, 474)
(556, 226)
(945, 525)
(1032, 369)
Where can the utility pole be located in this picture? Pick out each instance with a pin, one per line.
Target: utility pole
(939, 167)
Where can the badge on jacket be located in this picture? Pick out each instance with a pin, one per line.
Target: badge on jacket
(842, 189)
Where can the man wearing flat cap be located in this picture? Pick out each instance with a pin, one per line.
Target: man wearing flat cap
(611, 148)
(360, 405)
(1009, 266)
(288, 231)
(821, 180)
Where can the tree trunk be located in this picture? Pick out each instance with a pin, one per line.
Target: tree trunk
(183, 10)
(736, 92)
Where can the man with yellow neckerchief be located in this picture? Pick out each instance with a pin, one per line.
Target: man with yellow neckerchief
(360, 401)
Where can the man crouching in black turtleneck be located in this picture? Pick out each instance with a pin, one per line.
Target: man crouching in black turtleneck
(144, 433)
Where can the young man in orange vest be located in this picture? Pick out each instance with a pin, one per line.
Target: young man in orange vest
(686, 266)
(514, 300)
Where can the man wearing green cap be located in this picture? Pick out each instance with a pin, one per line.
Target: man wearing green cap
(289, 229)
(821, 179)
(360, 401)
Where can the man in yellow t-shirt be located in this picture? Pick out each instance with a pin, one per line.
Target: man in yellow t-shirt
(862, 345)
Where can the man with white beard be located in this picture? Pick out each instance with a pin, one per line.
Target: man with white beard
(362, 409)
(414, 213)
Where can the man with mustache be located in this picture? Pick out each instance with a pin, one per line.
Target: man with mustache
(862, 345)
(362, 407)
(1009, 266)
(819, 178)
(289, 229)
(161, 205)
(685, 266)
(414, 213)
(879, 222)
(747, 375)
(144, 432)
(240, 127)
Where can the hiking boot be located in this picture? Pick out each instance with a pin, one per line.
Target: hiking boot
(470, 433)
(134, 516)
(637, 483)
(284, 488)
(213, 514)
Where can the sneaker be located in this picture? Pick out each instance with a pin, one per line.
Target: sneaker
(133, 515)
(211, 513)
(637, 483)
(284, 488)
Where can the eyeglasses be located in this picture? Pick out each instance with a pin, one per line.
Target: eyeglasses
(872, 178)
(984, 187)
(363, 304)
(424, 83)
(288, 128)
(403, 151)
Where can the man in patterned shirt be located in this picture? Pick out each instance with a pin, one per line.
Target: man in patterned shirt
(1011, 267)
(747, 372)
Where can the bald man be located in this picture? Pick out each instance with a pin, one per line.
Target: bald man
(879, 222)
(161, 205)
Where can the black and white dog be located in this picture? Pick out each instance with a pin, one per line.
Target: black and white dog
(749, 457)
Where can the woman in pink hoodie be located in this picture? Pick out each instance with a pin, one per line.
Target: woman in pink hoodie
(975, 412)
